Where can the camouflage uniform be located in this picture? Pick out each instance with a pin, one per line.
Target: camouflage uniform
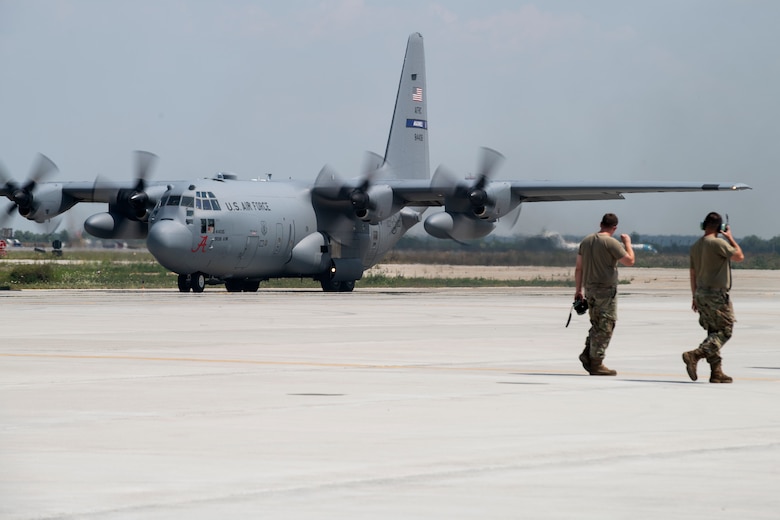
(709, 261)
(711, 278)
(716, 316)
(602, 309)
(600, 254)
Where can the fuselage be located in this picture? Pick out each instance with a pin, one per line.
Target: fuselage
(230, 228)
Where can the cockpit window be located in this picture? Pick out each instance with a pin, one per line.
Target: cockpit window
(187, 202)
(173, 200)
(206, 200)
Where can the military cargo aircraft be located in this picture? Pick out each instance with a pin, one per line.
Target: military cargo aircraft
(222, 230)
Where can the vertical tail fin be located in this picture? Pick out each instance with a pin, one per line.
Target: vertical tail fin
(407, 146)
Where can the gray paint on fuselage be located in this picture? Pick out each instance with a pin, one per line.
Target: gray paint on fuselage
(251, 234)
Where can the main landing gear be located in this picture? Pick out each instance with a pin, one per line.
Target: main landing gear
(194, 282)
(238, 285)
(329, 285)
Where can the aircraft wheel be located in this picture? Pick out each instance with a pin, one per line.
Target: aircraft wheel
(251, 286)
(234, 285)
(185, 283)
(329, 285)
(198, 282)
(347, 286)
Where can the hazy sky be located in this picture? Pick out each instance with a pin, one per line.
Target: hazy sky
(600, 90)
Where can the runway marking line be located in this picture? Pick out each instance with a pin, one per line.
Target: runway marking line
(258, 362)
(523, 371)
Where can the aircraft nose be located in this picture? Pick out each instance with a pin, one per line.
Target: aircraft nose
(170, 242)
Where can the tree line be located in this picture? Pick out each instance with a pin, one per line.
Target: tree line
(672, 250)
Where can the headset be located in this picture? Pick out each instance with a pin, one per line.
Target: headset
(723, 225)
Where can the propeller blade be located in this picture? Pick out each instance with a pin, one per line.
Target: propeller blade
(43, 169)
(444, 181)
(52, 225)
(489, 162)
(328, 183)
(144, 162)
(509, 221)
(5, 178)
(372, 163)
(342, 229)
(139, 200)
(5, 215)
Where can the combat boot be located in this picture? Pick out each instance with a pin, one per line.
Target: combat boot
(597, 368)
(717, 375)
(691, 359)
(585, 358)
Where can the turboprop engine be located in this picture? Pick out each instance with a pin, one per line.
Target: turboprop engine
(128, 208)
(471, 208)
(374, 204)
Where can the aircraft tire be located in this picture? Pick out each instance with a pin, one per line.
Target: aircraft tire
(329, 285)
(185, 284)
(251, 286)
(234, 285)
(198, 282)
(347, 286)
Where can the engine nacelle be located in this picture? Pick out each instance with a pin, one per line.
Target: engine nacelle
(499, 203)
(457, 226)
(380, 205)
(47, 203)
(309, 256)
(111, 225)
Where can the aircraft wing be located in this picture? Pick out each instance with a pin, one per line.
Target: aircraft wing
(88, 192)
(544, 191)
(473, 206)
(106, 191)
(418, 193)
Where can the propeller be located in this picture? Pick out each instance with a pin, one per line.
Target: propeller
(139, 199)
(132, 203)
(22, 196)
(475, 194)
(489, 162)
(346, 200)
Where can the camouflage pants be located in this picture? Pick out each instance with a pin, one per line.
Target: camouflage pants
(716, 316)
(602, 309)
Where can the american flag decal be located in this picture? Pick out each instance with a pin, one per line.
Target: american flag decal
(417, 94)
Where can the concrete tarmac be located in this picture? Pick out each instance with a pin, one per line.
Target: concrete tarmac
(408, 403)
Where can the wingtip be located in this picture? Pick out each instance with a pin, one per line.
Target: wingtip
(726, 187)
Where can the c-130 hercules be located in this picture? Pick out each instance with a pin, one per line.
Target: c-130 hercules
(225, 230)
